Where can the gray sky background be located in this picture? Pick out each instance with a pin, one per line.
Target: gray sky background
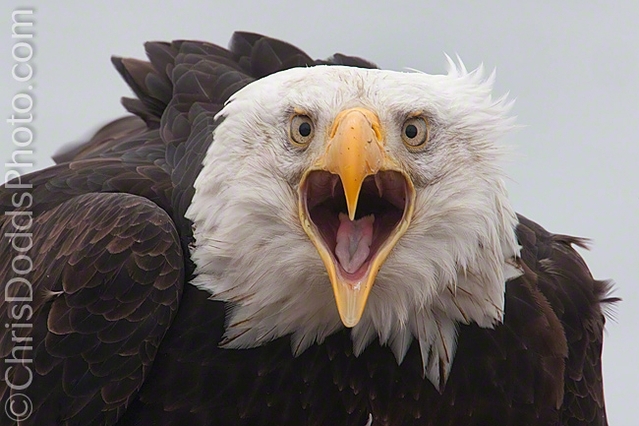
(573, 67)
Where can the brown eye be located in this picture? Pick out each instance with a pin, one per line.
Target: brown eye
(415, 132)
(301, 131)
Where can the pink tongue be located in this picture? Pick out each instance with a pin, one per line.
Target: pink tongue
(354, 239)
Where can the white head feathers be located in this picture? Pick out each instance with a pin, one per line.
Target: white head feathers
(450, 266)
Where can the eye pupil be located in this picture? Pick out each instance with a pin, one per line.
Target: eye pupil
(411, 131)
(305, 129)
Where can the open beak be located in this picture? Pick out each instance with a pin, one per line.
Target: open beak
(355, 203)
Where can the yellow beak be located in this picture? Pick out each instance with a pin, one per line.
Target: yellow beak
(355, 150)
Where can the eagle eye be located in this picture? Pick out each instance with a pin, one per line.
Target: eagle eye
(301, 131)
(415, 132)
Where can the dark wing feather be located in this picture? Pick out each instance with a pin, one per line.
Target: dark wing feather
(577, 299)
(106, 281)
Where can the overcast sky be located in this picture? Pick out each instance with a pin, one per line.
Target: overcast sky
(573, 68)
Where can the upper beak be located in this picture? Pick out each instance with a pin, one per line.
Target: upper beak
(355, 149)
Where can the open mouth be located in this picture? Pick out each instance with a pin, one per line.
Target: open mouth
(354, 244)
(355, 203)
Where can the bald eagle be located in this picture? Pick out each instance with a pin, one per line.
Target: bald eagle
(274, 240)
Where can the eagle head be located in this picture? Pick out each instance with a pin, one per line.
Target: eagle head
(370, 199)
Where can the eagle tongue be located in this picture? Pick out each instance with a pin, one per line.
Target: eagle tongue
(354, 239)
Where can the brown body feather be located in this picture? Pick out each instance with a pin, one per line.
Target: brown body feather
(120, 337)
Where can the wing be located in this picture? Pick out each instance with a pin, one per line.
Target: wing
(577, 299)
(100, 289)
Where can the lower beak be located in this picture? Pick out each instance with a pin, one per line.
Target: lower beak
(355, 150)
